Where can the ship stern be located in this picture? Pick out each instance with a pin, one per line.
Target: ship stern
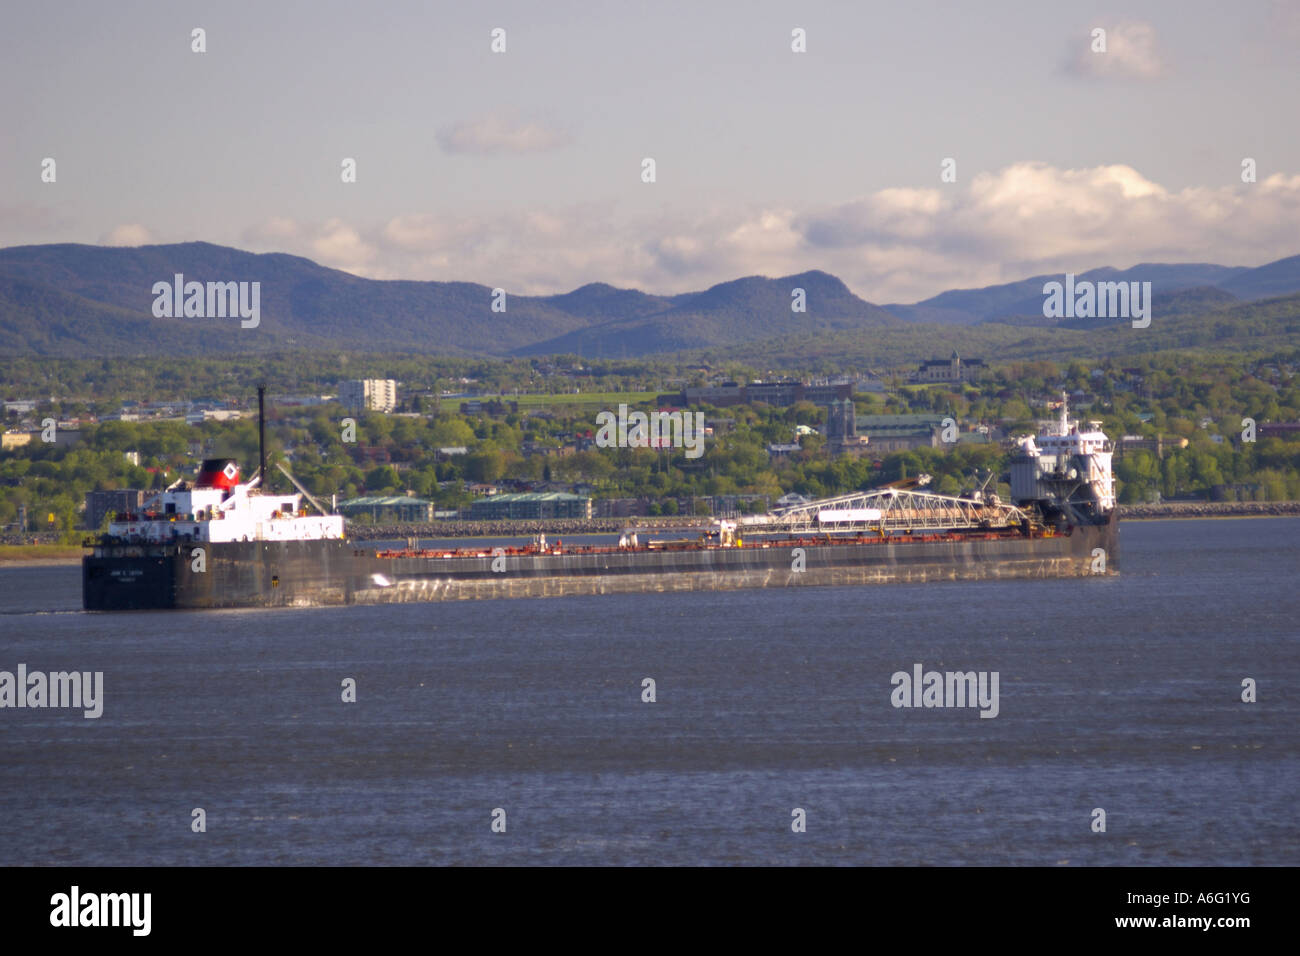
(132, 581)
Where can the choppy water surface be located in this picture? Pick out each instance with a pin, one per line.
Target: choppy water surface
(1122, 693)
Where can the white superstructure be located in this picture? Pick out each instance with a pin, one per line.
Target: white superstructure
(1064, 460)
(218, 508)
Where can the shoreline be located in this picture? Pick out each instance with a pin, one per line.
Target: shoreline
(1210, 509)
(40, 555)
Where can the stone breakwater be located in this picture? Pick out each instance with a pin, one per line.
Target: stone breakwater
(1211, 509)
(562, 526)
(30, 537)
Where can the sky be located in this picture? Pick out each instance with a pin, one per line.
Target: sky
(524, 169)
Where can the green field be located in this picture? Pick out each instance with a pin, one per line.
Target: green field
(17, 553)
(608, 400)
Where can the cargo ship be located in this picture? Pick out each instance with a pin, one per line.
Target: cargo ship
(220, 542)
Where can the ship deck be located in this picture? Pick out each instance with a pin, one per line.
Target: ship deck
(659, 547)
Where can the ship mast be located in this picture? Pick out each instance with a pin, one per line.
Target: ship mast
(261, 437)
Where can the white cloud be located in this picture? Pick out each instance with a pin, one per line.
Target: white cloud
(500, 133)
(893, 245)
(272, 233)
(1032, 217)
(340, 246)
(1131, 52)
(127, 234)
(414, 232)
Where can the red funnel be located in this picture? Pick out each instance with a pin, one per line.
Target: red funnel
(218, 473)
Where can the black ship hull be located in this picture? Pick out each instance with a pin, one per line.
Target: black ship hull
(333, 572)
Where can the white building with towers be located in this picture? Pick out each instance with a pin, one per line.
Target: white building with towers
(369, 395)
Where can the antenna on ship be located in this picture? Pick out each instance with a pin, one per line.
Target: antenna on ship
(261, 436)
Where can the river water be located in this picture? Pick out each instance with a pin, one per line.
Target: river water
(1120, 693)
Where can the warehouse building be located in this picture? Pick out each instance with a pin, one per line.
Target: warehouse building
(390, 509)
(530, 505)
